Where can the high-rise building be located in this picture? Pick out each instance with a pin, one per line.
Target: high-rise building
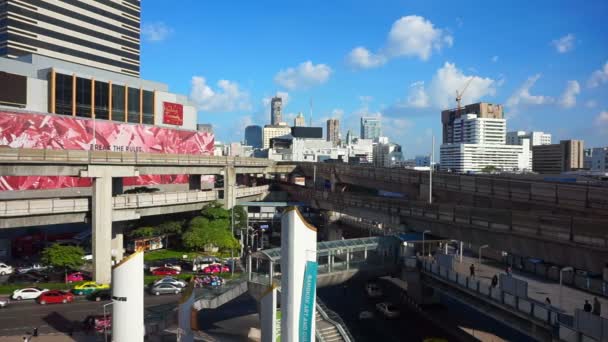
(596, 159)
(536, 138)
(253, 136)
(275, 110)
(100, 34)
(299, 120)
(371, 128)
(482, 109)
(206, 128)
(333, 131)
(273, 131)
(568, 155)
(470, 129)
(387, 154)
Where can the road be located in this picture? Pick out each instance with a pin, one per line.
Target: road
(21, 317)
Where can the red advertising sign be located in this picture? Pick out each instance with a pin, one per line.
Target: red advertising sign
(173, 114)
(59, 132)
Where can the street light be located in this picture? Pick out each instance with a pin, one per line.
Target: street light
(480, 248)
(424, 232)
(565, 269)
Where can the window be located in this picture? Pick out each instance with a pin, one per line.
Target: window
(133, 104)
(83, 97)
(102, 98)
(118, 102)
(148, 110)
(63, 94)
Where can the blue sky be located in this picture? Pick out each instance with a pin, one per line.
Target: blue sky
(546, 61)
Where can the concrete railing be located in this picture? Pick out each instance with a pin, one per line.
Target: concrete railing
(335, 320)
(133, 201)
(25, 155)
(252, 191)
(43, 206)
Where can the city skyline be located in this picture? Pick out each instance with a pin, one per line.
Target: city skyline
(536, 76)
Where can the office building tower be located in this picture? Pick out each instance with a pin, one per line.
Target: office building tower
(568, 155)
(273, 131)
(206, 128)
(333, 131)
(596, 159)
(371, 128)
(275, 110)
(387, 154)
(253, 136)
(99, 34)
(299, 120)
(536, 138)
(481, 109)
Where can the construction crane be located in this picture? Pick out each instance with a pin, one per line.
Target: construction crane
(459, 94)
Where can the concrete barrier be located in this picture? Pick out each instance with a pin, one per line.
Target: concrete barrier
(540, 312)
(524, 305)
(452, 276)
(568, 335)
(509, 299)
(473, 284)
(496, 294)
(484, 289)
(462, 280)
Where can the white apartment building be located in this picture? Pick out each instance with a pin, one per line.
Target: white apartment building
(306, 149)
(361, 147)
(273, 131)
(480, 142)
(536, 138)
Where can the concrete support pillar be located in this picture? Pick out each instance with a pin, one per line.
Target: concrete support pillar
(347, 259)
(118, 241)
(460, 250)
(249, 270)
(271, 272)
(229, 187)
(333, 180)
(194, 182)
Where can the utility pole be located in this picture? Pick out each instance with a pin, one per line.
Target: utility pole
(431, 170)
(232, 249)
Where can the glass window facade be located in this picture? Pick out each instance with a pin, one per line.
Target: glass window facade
(118, 102)
(63, 94)
(148, 102)
(102, 99)
(133, 104)
(83, 97)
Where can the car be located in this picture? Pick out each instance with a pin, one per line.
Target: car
(31, 267)
(28, 293)
(88, 287)
(54, 297)
(76, 277)
(170, 280)
(204, 261)
(24, 278)
(168, 263)
(165, 271)
(373, 290)
(388, 309)
(100, 295)
(4, 302)
(5, 269)
(216, 268)
(165, 289)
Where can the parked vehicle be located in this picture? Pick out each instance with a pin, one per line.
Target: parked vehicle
(204, 261)
(146, 244)
(4, 302)
(373, 290)
(5, 269)
(98, 323)
(165, 289)
(169, 263)
(54, 297)
(100, 295)
(24, 278)
(170, 280)
(389, 310)
(165, 271)
(216, 268)
(88, 287)
(31, 267)
(76, 277)
(28, 293)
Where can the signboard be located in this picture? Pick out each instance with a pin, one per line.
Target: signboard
(173, 114)
(307, 306)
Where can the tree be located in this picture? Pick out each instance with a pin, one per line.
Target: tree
(489, 169)
(240, 217)
(215, 211)
(210, 230)
(171, 227)
(66, 257)
(144, 232)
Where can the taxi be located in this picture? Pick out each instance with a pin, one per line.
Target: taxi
(88, 288)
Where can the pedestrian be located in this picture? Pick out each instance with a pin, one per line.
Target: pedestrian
(597, 307)
(472, 269)
(35, 332)
(548, 301)
(587, 306)
(494, 280)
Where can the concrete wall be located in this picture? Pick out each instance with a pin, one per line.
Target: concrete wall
(37, 95)
(189, 110)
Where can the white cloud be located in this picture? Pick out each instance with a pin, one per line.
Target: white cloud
(361, 57)
(602, 120)
(591, 104)
(598, 77)
(227, 97)
(494, 59)
(448, 79)
(303, 76)
(568, 99)
(417, 96)
(564, 44)
(155, 32)
(410, 36)
(337, 113)
(522, 95)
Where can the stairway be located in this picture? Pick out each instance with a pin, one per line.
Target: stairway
(327, 330)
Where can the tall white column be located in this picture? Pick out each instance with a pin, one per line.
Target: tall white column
(128, 299)
(102, 229)
(229, 187)
(118, 241)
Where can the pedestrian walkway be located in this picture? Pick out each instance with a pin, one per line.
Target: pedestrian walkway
(538, 289)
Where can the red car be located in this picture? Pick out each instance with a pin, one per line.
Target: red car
(216, 268)
(165, 271)
(76, 277)
(55, 296)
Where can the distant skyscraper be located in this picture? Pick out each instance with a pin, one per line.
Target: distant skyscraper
(371, 128)
(333, 131)
(253, 136)
(275, 110)
(207, 128)
(482, 109)
(299, 120)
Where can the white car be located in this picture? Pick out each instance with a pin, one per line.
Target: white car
(167, 265)
(373, 290)
(4, 302)
(31, 267)
(5, 269)
(27, 293)
(170, 280)
(388, 309)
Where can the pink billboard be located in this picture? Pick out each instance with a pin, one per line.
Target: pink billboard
(58, 132)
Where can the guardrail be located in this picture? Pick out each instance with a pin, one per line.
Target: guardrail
(252, 191)
(334, 319)
(26, 155)
(43, 206)
(133, 201)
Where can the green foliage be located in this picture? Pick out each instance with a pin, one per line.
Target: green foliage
(171, 227)
(214, 211)
(204, 232)
(144, 232)
(68, 257)
(489, 169)
(240, 217)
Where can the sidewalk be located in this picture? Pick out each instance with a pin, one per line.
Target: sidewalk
(538, 288)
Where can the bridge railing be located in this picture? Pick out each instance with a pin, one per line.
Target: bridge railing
(132, 201)
(43, 206)
(252, 191)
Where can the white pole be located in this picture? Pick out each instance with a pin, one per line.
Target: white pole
(232, 227)
(560, 288)
(460, 250)
(431, 170)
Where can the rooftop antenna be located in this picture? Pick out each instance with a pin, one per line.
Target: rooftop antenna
(310, 124)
